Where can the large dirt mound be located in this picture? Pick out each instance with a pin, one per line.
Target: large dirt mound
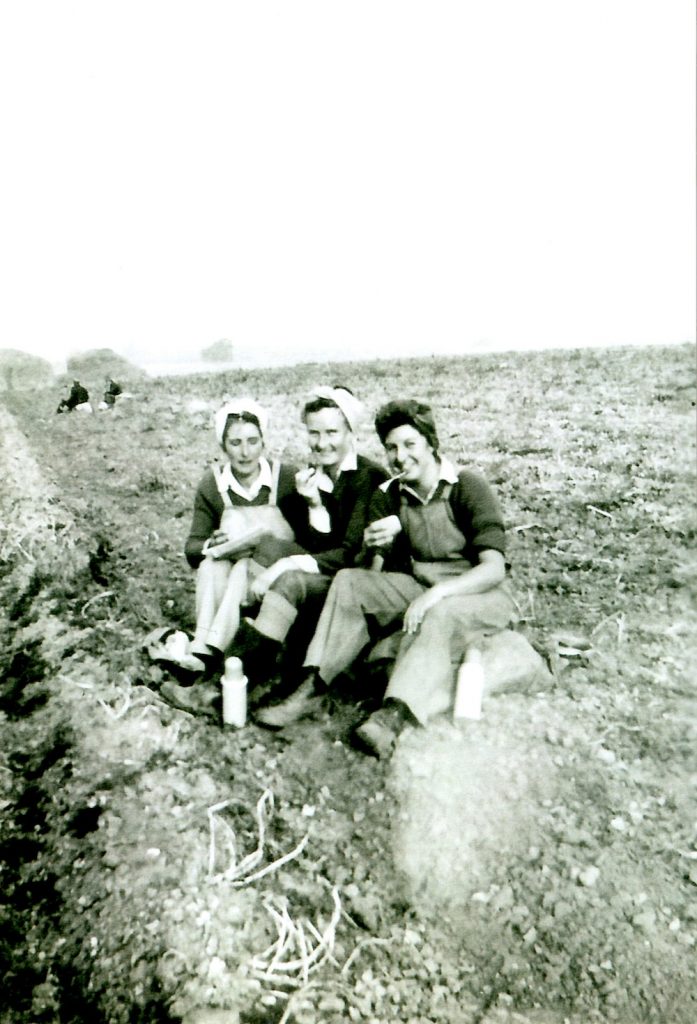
(94, 365)
(20, 371)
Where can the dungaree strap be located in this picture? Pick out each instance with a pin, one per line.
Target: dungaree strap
(275, 473)
(223, 491)
(220, 484)
(432, 532)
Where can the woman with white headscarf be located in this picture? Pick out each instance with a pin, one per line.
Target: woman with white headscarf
(329, 515)
(238, 505)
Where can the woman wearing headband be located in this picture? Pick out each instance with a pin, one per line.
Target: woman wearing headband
(237, 505)
(438, 533)
(329, 514)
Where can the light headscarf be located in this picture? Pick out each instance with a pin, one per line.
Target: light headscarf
(351, 407)
(238, 407)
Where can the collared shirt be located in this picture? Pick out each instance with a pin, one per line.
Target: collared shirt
(447, 473)
(264, 479)
(347, 506)
(320, 519)
(325, 482)
(473, 508)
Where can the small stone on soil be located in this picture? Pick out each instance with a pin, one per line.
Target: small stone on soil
(589, 876)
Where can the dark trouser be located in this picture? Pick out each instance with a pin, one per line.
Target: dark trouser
(294, 600)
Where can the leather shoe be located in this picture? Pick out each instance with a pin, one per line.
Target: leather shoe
(305, 702)
(378, 735)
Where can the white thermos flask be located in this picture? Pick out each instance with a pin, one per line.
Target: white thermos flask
(234, 683)
(470, 686)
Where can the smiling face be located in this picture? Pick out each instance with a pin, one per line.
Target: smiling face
(244, 446)
(330, 438)
(409, 453)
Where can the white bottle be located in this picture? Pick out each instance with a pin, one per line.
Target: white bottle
(234, 683)
(470, 686)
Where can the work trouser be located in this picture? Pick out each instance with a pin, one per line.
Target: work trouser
(291, 593)
(221, 588)
(423, 674)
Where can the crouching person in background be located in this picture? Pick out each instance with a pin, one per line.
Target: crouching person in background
(112, 391)
(438, 535)
(329, 512)
(78, 399)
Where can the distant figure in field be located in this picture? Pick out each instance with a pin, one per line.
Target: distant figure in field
(78, 399)
(112, 390)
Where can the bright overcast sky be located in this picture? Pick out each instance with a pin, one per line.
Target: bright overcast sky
(346, 178)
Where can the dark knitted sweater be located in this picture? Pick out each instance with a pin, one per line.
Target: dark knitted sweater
(348, 506)
(474, 509)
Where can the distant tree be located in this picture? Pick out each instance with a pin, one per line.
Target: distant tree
(20, 371)
(219, 352)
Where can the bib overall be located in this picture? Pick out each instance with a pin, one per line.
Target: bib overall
(424, 671)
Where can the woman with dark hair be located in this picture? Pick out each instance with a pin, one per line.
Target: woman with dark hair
(238, 506)
(437, 533)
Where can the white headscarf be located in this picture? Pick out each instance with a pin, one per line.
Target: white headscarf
(352, 409)
(236, 407)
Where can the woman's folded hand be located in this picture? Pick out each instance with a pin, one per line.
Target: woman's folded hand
(382, 532)
(261, 583)
(414, 615)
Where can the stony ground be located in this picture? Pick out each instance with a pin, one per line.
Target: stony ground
(537, 866)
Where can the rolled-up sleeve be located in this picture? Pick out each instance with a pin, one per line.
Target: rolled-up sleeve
(478, 514)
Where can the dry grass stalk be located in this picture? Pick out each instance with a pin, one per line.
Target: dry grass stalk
(96, 597)
(293, 942)
(599, 511)
(363, 944)
(122, 710)
(295, 852)
(244, 873)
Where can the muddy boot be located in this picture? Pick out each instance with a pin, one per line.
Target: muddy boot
(378, 735)
(305, 702)
(202, 699)
(257, 652)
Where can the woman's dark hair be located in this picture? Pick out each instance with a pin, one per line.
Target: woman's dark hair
(411, 412)
(241, 417)
(316, 404)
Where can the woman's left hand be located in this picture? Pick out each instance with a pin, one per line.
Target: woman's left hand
(261, 583)
(414, 615)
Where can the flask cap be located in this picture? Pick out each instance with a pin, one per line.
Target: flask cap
(233, 668)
